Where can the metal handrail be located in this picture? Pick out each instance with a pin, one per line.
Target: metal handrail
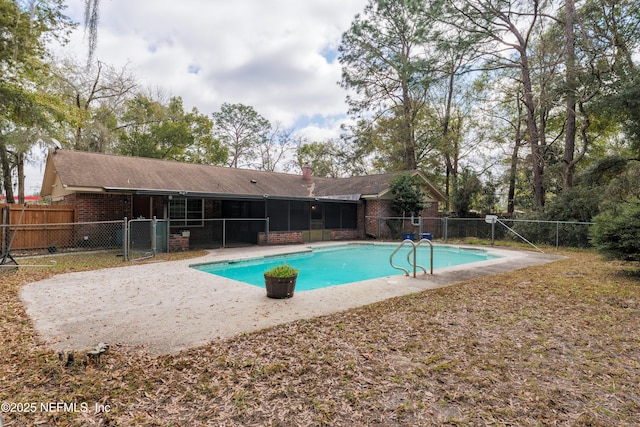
(406, 272)
(413, 264)
(431, 254)
(413, 251)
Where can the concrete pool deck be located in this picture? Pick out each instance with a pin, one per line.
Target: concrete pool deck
(166, 307)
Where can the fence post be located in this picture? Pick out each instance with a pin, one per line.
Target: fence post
(154, 243)
(493, 232)
(5, 229)
(267, 232)
(224, 233)
(125, 240)
(168, 234)
(557, 233)
(445, 232)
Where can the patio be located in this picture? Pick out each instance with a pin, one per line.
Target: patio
(166, 307)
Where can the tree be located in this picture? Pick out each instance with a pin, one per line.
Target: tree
(569, 161)
(608, 38)
(385, 63)
(321, 157)
(501, 27)
(408, 195)
(382, 140)
(26, 28)
(598, 40)
(469, 188)
(511, 112)
(205, 149)
(95, 96)
(241, 130)
(274, 149)
(153, 129)
(454, 96)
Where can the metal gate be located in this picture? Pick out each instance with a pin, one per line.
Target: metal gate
(145, 238)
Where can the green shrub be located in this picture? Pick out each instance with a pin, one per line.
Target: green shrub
(281, 271)
(616, 232)
(408, 195)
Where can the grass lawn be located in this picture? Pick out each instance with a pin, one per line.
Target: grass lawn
(556, 344)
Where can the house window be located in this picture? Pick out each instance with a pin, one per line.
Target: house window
(186, 212)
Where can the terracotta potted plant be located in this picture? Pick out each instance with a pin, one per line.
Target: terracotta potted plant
(280, 281)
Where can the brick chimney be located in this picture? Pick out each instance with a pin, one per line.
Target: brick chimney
(306, 173)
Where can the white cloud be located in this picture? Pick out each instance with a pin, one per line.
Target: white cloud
(268, 54)
(271, 54)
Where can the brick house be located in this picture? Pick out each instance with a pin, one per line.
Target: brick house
(210, 203)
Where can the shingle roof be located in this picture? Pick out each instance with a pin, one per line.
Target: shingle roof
(79, 169)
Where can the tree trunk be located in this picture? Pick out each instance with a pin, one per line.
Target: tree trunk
(513, 173)
(568, 164)
(447, 190)
(409, 139)
(537, 155)
(6, 172)
(78, 135)
(445, 137)
(20, 169)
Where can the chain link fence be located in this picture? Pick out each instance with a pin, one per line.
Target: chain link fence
(553, 233)
(136, 238)
(39, 239)
(141, 238)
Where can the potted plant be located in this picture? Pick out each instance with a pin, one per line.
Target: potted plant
(280, 281)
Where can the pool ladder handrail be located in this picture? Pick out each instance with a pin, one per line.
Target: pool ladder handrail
(413, 251)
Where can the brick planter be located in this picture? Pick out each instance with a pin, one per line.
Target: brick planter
(178, 243)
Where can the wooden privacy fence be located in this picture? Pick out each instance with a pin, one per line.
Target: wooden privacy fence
(38, 226)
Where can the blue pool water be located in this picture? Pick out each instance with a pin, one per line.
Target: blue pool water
(339, 265)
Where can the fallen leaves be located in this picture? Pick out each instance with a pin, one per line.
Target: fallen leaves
(533, 347)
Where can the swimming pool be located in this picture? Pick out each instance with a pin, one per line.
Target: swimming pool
(339, 265)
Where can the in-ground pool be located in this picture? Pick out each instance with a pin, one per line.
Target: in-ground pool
(339, 265)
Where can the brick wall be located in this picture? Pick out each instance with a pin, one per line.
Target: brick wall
(280, 237)
(289, 237)
(360, 221)
(382, 208)
(373, 210)
(344, 234)
(99, 207)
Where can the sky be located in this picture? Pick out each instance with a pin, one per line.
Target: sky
(278, 56)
